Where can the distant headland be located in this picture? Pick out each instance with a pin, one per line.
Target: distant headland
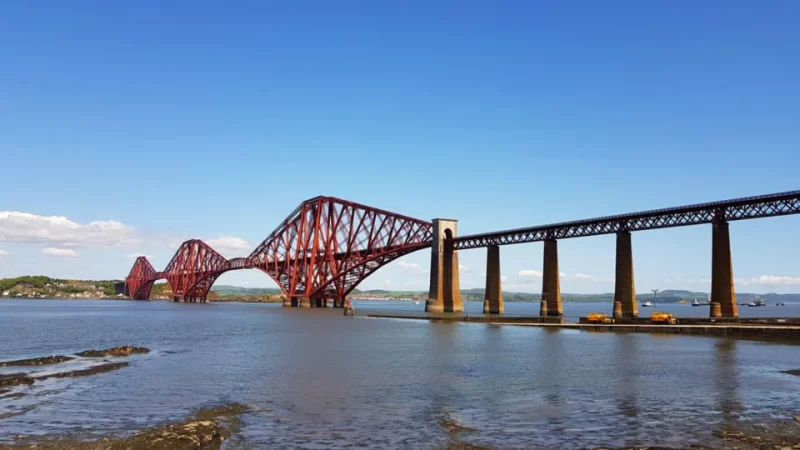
(45, 287)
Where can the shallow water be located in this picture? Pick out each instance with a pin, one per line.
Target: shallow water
(317, 379)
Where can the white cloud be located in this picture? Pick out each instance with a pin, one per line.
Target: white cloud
(503, 278)
(768, 280)
(3, 253)
(463, 267)
(60, 252)
(529, 274)
(136, 255)
(36, 229)
(407, 266)
(695, 281)
(228, 243)
(584, 277)
(387, 282)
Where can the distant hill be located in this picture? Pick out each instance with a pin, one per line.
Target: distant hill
(239, 290)
(665, 296)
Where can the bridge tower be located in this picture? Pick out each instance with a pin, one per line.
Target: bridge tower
(445, 291)
(625, 305)
(723, 295)
(493, 300)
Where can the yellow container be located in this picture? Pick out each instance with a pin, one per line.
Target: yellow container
(597, 317)
(663, 317)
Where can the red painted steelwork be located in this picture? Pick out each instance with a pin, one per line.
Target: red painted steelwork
(327, 246)
(141, 279)
(193, 270)
(323, 250)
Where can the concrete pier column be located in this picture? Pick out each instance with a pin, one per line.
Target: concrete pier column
(338, 302)
(286, 302)
(303, 302)
(493, 301)
(624, 286)
(722, 291)
(444, 294)
(551, 284)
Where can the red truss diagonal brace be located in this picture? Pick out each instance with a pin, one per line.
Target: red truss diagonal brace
(141, 279)
(193, 270)
(327, 246)
(323, 250)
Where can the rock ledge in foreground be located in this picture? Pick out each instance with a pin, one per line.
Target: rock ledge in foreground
(206, 430)
(125, 350)
(45, 360)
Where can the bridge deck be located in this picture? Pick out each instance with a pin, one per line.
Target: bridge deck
(780, 204)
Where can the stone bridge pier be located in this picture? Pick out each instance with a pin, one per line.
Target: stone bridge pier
(444, 294)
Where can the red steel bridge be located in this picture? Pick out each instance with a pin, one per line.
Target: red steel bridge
(327, 246)
(322, 251)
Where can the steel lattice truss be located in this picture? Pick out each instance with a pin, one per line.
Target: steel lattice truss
(324, 249)
(781, 204)
(141, 279)
(327, 246)
(193, 269)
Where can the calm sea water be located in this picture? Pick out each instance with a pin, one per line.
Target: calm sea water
(316, 379)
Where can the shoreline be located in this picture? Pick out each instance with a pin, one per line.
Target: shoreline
(782, 333)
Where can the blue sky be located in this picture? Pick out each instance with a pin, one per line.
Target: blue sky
(160, 122)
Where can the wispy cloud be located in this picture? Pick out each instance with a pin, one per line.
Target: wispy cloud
(60, 252)
(585, 277)
(136, 255)
(530, 273)
(407, 266)
(32, 228)
(463, 267)
(228, 243)
(3, 253)
(768, 280)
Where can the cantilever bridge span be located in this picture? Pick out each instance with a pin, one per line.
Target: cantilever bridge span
(320, 252)
(327, 246)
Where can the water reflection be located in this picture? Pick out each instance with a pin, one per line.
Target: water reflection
(726, 371)
(317, 379)
(627, 375)
(553, 376)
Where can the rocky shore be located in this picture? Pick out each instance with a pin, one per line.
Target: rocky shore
(11, 380)
(125, 350)
(207, 429)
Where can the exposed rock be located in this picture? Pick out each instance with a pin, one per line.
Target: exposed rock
(777, 436)
(85, 372)
(125, 350)
(15, 379)
(12, 396)
(795, 372)
(453, 426)
(206, 430)
(37, 361)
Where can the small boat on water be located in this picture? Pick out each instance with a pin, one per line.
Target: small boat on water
(416, 302)
(647, 304)
(696, 303)
(757, 302)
